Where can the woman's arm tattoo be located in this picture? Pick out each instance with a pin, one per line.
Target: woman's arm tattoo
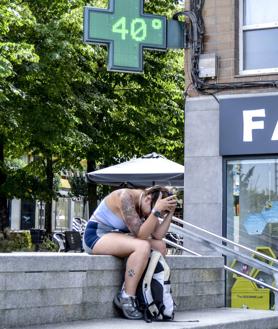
(130, 215)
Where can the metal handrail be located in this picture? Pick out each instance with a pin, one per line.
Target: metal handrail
(173, 244)
(227, 268)
(230, 252)
(227, 251)
(178, 220)
(261, 283)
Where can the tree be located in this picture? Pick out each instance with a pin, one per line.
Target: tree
(128, 114)
(79, 189)
(68, 107)
(50, 101)
(15, 51)
(43, 111)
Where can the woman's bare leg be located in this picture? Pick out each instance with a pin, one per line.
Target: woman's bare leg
(158, 245)
(121, 245)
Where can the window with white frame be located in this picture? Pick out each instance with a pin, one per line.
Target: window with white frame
(258, 36)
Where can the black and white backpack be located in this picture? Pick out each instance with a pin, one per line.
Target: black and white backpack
(153, 293)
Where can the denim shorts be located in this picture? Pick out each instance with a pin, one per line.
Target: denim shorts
(93, 232)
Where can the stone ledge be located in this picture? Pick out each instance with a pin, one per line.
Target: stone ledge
(56, 262)
(40, 288)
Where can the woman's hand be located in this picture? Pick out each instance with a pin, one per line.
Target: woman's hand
(167, 208)
(167, 204)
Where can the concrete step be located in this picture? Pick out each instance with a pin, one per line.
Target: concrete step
(221, 318)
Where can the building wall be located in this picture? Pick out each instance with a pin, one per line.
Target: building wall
(220, 35)
(15, 214)
(203, 167)
(63, 212)
(221, 19)
(203, 194)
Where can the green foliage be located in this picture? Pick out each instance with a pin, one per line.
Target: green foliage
(15, 241)
(48, 245)
(26, 182)
(133, 114)
(21, 184)
(79, 187)
(58, 102)
(16, 23)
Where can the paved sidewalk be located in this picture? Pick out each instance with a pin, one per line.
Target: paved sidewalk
(210, 318)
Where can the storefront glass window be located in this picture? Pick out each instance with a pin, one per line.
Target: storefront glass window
(62, 214)
(252, 220)
(80, 208)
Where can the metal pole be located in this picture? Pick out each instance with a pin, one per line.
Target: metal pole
(171, 243)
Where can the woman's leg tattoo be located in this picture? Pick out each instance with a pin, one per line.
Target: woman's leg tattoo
(131, 273)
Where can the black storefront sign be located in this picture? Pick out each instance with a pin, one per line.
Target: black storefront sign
(249, 125)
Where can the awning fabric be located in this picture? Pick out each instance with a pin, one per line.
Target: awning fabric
(148, 170)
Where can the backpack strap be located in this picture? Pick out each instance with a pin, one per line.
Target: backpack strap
(155, 256)
(166, 268)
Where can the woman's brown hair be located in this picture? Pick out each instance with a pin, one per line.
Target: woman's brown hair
(155, 191)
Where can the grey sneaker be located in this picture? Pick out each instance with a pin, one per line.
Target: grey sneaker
(128, 306)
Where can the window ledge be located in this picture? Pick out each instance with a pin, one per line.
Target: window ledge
(246, 75)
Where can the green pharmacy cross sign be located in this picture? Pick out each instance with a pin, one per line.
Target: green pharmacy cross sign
(127, 31)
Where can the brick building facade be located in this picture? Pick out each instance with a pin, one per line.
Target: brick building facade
(231, 130)
(223, 25)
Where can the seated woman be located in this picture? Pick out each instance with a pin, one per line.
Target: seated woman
(129, 223)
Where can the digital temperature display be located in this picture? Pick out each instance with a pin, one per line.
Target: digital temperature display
(127, 31)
